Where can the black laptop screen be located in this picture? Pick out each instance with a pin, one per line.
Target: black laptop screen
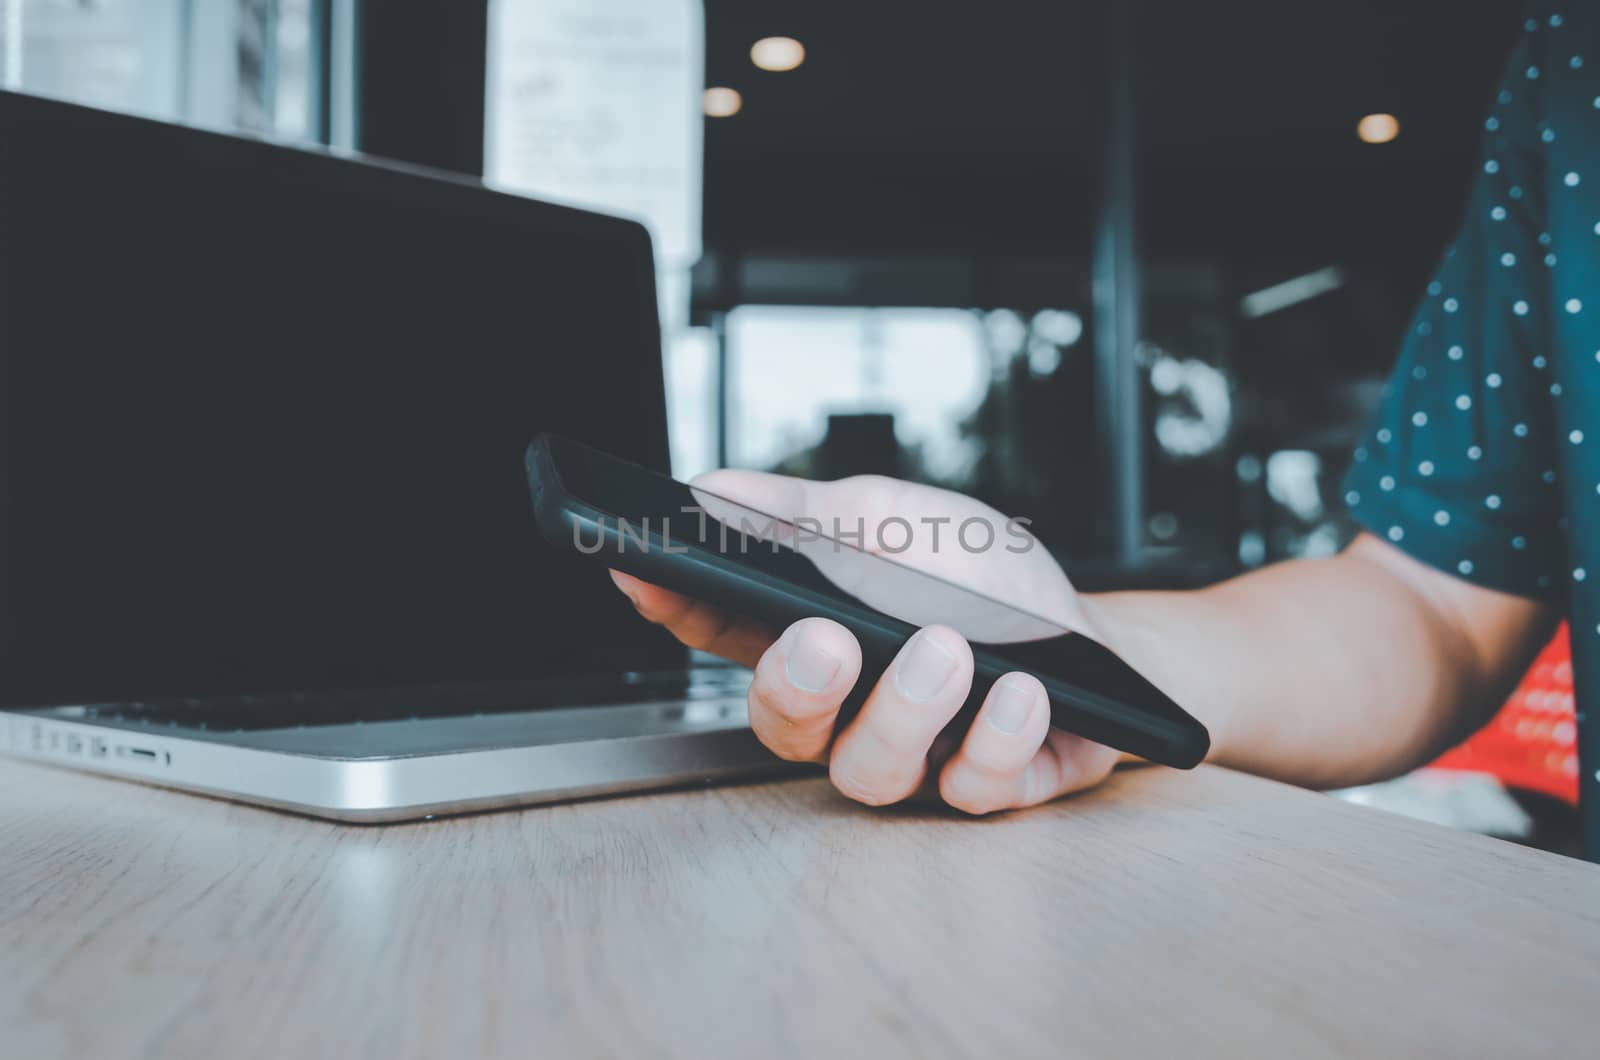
(264, 413)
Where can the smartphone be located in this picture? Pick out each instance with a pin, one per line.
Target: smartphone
(777, 571)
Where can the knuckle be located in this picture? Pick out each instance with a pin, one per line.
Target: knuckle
(791, 738)
(766, 700)
(902, 729)
(969, 792)
(895, 737)
(703, 628)
(983, 760)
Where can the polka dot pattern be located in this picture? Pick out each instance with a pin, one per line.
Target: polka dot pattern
(1484, 458)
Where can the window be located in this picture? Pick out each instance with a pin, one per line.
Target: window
(994, 403)
(228, 64)
(893, 386)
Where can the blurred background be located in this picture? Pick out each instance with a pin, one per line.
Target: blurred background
(1135, 271)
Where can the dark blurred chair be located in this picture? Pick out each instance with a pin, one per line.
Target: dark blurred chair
(860, 444)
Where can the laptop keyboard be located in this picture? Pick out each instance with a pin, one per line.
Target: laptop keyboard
(304, 709)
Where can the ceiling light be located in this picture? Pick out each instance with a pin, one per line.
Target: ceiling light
(1291, 292)
(722, 102)
(777, 53)
(1378, 128)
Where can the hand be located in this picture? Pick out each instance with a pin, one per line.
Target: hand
(1010, 757)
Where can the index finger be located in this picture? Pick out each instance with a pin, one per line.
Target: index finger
(698, 625)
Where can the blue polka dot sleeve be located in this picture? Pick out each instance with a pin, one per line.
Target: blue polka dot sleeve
(1459, 468)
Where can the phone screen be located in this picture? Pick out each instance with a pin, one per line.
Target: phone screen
(804, 550)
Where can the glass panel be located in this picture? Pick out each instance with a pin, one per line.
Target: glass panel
(691, 367)
(1000, 404)
(995, 404)
(827, 392)
(275, 75)
(10, 43)
(247, 64)
(121, 54)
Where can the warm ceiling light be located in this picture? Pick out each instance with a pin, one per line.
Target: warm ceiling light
(1378, 128)
(722, 102)
(777, 53)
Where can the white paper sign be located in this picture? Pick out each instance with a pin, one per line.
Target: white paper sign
(597, 103)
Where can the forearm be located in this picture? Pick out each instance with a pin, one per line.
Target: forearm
(1327, 672)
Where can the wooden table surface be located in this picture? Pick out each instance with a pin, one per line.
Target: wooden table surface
(1166, 914)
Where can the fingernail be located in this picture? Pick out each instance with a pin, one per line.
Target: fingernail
(627, 586)
(810, 668)
(1010, 706)
(923, 669)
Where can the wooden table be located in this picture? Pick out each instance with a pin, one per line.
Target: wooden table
(1166, 914)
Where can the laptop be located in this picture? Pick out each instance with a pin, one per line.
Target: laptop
(264, 530)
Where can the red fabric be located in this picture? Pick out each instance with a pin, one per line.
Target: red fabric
(1532, 742)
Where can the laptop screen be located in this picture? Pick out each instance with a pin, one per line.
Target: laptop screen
(264, 413)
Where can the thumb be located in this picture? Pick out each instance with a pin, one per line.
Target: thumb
(801, 514)
(780, 495)
(795, 512)
(756, 497)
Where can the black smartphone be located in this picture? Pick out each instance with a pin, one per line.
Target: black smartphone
(767, 568)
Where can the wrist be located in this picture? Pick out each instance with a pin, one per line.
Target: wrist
(1145, 630)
